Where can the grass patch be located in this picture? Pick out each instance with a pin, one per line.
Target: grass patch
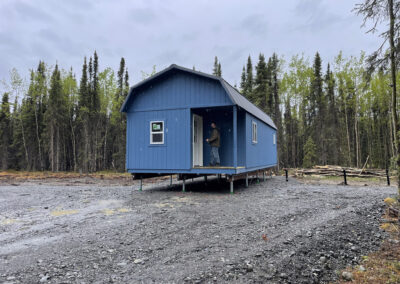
(382, 266)
(26, 175)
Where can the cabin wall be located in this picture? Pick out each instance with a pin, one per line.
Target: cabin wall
(264, 152)
(179, 90)
(241, 138)
(175, 153)
(169, 98)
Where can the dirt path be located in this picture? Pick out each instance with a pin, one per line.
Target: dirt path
(273, 232)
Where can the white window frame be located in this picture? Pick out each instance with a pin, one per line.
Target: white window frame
(274, 138)
(157, 132)
(254, 134)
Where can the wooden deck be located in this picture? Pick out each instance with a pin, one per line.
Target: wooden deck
(211, 167)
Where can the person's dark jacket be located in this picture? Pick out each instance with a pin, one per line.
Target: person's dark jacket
(215, 138)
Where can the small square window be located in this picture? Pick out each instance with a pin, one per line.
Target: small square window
(254, 132)
(156, 132)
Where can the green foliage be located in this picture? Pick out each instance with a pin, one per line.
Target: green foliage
(5, 133)
(325, 114)
(217, 68)
(309, 153)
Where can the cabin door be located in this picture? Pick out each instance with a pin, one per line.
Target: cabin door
(197, 141)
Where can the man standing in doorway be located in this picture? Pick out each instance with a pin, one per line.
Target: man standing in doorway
(214, 142)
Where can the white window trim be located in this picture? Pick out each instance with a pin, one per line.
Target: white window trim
(155, 132)
(254, 133)
(274, 138)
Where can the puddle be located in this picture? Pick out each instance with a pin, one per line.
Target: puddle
(8, 221)
(181, 199)
(124, 210)
(163, 205)
(108, 212)
(63, 212)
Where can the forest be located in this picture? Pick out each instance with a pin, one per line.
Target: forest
(342, 112)
(328, 113)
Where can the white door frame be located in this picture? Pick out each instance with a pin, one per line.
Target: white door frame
(197, 140)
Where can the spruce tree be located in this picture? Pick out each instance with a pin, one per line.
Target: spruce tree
(217, 71)
(275, 109)
(56, 118)
(215, 68)
(118, 119)
(309, 153)
(330, 131)
(83, 119)
(243, 81)
(5, 133)
(317, 110)
(248, 90)
(32, 112)
(260, 83)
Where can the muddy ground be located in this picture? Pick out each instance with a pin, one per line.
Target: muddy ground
(271, 232)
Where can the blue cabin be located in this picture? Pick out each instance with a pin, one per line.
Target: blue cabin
(168, 119)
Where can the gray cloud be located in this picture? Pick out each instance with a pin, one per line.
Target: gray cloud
(155, 32)
(255, 24)
(28, 12)
(143, 16)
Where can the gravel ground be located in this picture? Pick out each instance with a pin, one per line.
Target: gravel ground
(271, 232)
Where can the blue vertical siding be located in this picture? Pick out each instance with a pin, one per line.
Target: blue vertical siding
(174, 98)
(173, 154)
(241, 133)
(262, 153)
(179, 90)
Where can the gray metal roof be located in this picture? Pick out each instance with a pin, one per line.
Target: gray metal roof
(244, 103)
(233, 93)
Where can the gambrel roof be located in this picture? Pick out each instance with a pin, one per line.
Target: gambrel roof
(232, 92)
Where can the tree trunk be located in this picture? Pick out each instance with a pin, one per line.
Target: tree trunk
(347, 134)
(393, 73)
(105, 144)
(38, 139)
(73, 144)
(52, 147)
(357, 139)
(23, 139)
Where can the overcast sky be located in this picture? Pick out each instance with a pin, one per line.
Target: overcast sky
(162, 32)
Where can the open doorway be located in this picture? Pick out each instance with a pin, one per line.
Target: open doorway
(222, 116)
(197, 140)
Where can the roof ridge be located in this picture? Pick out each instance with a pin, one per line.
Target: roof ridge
(237, 99)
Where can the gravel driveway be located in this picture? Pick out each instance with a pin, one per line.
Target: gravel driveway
(271, 232)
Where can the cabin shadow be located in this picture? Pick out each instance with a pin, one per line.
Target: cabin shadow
(198, 185)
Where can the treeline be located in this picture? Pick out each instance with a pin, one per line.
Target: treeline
(325, 113)
(60, 125)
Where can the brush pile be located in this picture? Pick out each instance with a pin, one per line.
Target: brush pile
(338, 171)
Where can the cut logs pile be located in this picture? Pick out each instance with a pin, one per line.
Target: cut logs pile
(338, 171)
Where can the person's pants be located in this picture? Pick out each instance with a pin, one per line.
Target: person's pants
(214, 156)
